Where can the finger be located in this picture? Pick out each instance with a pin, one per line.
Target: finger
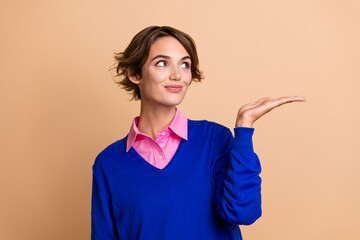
(293, 98)
(264, 105)
(259, 102)
(263, 99)
(283, 100)
(254, 104)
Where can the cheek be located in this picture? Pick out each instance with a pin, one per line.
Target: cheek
(150, 80)
(187, 78)
(156, 77)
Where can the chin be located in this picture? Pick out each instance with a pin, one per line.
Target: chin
(173, 102)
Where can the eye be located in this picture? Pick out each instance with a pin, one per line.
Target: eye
(185, 65)
(160, 63)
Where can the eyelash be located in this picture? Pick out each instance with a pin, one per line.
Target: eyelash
(187, 64)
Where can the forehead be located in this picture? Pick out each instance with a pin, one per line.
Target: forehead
(168, 46)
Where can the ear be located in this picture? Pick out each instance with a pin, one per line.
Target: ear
(133, 78)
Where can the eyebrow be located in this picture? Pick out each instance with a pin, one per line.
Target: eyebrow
(167, 57)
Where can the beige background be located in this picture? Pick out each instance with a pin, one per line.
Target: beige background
(60, 107)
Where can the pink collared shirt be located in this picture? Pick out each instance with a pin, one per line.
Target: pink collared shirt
(160, 151)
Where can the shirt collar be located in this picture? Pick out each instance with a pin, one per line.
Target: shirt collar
(178, 126)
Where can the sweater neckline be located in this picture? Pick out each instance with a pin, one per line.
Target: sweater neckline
(150, 166)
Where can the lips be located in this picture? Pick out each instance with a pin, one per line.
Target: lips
(173, 88)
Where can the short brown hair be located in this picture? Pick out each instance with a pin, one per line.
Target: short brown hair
(136, 54)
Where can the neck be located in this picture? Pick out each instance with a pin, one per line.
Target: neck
(152, 120)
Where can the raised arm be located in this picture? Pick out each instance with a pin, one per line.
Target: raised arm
(236, 168)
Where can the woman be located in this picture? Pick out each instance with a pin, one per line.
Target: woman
(171, 177)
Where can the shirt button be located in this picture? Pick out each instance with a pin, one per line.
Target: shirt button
(163, 133)
(159, 156)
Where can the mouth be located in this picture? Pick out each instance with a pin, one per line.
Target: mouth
(174, 88)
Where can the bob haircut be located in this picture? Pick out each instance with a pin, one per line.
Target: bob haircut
(136, 54)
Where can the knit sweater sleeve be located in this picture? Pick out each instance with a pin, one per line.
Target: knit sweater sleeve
(102, 224)
(237, 184)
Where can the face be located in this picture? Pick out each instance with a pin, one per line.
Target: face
(166, 74)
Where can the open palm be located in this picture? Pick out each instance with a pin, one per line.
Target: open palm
(250, 112)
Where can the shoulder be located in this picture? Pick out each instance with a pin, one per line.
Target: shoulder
(214, 138)
(216, 129)
(206, 124)
(111, 152)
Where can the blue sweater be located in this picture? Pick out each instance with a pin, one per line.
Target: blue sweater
(209, 187)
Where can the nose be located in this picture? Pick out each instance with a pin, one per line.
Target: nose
(175, 74)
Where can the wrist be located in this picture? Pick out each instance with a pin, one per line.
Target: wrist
(242, 123)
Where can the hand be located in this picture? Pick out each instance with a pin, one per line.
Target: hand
(250, 112)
